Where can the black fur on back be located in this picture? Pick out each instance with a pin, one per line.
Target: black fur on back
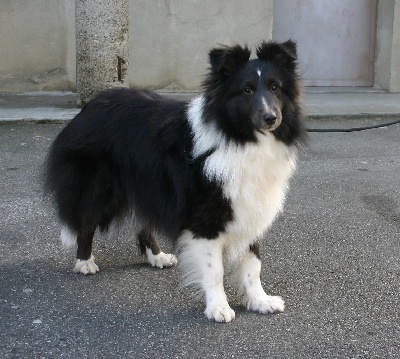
(123, 151)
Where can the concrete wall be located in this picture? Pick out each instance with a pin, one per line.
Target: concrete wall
(394, 85)
(384, 40)
(169, 40)
(387, 65)
(37, 45)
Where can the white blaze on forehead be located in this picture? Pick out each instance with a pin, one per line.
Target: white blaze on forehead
(264, 102)
(258, 72)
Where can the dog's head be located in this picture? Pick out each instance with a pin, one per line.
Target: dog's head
(259, 95)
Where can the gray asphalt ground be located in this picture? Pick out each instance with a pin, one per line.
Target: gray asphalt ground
(334, 255)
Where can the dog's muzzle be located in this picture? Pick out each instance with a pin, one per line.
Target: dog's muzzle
(268, 121)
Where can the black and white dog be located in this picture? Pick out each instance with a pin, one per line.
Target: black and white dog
(211, 174)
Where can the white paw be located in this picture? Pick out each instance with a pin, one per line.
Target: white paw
(264, 303)
(86, 267)
(221, 313)
(161, 260)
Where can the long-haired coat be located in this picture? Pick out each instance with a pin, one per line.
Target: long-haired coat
(211, 174)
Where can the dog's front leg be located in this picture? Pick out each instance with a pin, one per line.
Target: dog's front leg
(248, 278)
(202, 262)
(212, 269)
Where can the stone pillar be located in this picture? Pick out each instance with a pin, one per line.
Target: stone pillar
(101, 46)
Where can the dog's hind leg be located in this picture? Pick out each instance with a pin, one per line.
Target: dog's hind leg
(85, 260)
(149, 247)
(248, 278)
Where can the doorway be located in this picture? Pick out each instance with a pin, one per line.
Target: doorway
(335, 39)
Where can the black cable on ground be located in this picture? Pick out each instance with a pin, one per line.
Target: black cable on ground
(352, 129)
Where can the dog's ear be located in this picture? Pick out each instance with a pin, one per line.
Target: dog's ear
(290, 48)
(285, 52)
(226, 60)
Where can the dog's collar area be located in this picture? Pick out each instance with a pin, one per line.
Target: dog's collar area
(196, 160)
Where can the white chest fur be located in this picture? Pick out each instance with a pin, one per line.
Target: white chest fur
(254, 177)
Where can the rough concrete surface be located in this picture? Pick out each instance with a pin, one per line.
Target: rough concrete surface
(334, 255)
(101, 46)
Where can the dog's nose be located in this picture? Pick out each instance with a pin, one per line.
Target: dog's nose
(269, 119)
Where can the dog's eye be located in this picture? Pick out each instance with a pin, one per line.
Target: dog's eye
(247, 90)
(274, 88)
